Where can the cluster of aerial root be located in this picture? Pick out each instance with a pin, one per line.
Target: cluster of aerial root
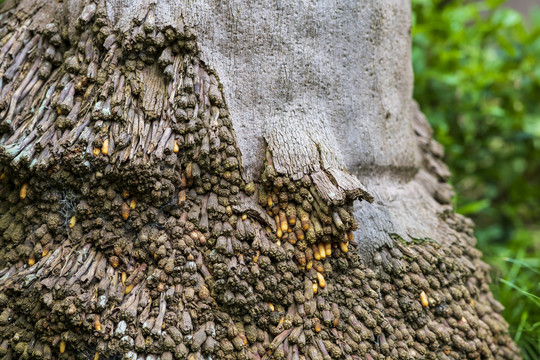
(126, 230)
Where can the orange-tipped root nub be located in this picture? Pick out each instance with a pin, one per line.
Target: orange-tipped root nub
(97, 323)
(283, 221)
(125, 211)
(424, 299)
(24, 189)
(322, 250)
(320, 279)
(62, 346)
(105, 147)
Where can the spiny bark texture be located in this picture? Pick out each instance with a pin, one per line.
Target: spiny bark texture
(128, 229)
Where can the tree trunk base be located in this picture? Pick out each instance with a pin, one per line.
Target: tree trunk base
(128, 231)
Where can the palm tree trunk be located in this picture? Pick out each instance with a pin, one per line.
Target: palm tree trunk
(227, 180)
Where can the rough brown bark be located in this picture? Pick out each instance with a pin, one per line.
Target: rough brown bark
(185, 180)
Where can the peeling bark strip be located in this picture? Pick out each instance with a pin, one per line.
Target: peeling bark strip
(127, 230)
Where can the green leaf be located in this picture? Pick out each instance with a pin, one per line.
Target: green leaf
(535, 299)
(474, 207)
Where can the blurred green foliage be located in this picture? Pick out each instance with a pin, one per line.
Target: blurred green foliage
(477, 79)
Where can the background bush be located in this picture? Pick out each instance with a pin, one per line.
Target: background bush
(477, 79)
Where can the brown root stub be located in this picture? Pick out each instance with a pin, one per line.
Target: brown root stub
(137, 238)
